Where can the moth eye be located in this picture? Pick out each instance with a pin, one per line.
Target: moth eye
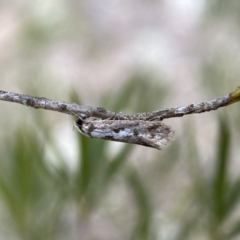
(79, 122)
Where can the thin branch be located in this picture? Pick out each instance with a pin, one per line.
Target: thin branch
(87, 111)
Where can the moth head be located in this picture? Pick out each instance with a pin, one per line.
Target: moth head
(83, 126)
(78, 124)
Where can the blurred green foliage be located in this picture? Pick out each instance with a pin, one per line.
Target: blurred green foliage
(35, 195)
(28, 190)
(212, 197)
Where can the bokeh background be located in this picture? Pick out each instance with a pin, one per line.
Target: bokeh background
(129, 56)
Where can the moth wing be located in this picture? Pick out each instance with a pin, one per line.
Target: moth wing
(158, 138)
(149, 143)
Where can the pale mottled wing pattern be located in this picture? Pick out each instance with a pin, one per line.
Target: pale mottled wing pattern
(147, 133)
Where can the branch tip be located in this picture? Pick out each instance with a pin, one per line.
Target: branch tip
(235, 95)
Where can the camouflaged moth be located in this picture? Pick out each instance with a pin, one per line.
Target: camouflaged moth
(153, 134)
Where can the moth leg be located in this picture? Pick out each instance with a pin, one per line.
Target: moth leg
(79, 117)
(111, 118)
(152, 119)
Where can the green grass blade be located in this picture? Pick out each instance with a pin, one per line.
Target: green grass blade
(219, 182)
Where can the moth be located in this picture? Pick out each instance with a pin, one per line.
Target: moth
(153, 134)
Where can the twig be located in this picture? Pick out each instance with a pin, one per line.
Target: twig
(87, 111)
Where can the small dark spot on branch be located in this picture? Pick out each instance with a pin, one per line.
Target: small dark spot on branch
(30, 102)
(63, 107)
(101, 109)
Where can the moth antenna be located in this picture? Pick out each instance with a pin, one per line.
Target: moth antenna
(111, 118)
